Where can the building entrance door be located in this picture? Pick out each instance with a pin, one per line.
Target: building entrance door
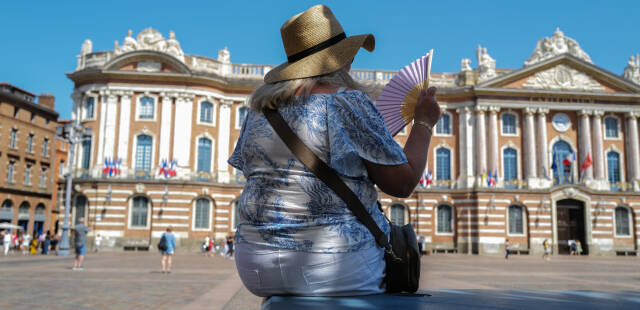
(570, 225)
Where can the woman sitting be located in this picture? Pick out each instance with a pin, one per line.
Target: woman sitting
(295, 235)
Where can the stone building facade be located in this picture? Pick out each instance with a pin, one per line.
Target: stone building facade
(27, 136)
(506, 158)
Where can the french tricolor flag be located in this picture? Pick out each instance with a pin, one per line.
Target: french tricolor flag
(571, 157)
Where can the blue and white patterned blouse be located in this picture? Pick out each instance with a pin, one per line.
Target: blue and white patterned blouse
(283, 204)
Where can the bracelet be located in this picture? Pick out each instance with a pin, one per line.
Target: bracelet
(425, 125)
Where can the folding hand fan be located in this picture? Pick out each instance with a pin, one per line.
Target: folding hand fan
(398, 99)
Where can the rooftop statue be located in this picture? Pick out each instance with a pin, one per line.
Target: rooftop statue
(87, 46)
(556, 45)
(632, 71)
(486, 64)
(151, 40)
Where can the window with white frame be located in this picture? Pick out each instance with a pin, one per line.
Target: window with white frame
(86, 152)
(443, 126)
(204, 155)
(43, 177)
(509, 124)
(516, 220)
(397, 214)
(206, 112)
(27, 175)
(30, 143)
(61, 168)
(14, 139)
(613, 169)
(139, 211)
(510, 167)
(89, 107)
(11, 171)
(611, 127)
(6, 213)
(145, 108)
(45, 147)
(143, 152)
(203, 209)
(623, 222)
(443, 164)
(242, 115)
(444, 216)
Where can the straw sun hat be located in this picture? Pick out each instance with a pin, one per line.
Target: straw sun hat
(315, 45)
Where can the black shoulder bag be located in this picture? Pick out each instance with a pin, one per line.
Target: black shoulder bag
(401, 251)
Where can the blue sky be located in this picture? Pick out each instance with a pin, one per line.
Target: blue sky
(42, 38)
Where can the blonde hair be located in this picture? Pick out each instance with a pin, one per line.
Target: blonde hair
(169, 229)
(273, 95)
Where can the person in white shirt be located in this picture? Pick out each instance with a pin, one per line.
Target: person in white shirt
(26, 239)
(6, 242)
(97, 242)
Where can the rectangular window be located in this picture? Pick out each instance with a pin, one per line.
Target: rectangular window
(45, 148)
(11, 171)
(515, 220)
(89, 107)
(508, 124)
(61, 168)
(27, 175)
(611, 127)
(43, 178)
(30, 143)
(444, 125)
(145, 110)
(14, 139)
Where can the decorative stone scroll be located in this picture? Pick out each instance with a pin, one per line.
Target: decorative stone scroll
(632, 71)
(556, 45)
(562, 77)
(150, 39)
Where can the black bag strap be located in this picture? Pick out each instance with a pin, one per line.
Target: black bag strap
(327, 175)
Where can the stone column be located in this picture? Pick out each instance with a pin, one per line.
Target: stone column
(98, 161)
(584, 145)
(543, 158)
(598, 152)
(633, 153)
(493, 161)
(529, 147)
(165, 127)
(223, 141)
(182, 139)
(481, 143)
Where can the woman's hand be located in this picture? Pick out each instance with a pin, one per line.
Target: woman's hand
(427, 108)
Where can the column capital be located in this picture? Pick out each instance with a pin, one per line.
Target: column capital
(529, 111)
(462, 110)
(632, 115)
(226, 103)
(494, 109)
(543, 111)
(598, 113)
(585, 112)
(105, 92)
(480, 109)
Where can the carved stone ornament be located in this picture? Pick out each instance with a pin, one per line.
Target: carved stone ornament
(151, 40)
(87, 47)
(149, 66)
(465, 65)
(562, 77)
(556, 45)
(442, 81)
(139, 188)
(486, 64)
(569, 192)
(632, 71)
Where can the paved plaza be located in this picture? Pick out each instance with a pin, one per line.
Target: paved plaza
(132, 280)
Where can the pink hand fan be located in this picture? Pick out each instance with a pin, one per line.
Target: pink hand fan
(398, 99)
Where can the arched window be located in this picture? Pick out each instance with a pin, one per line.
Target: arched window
(23, 215)
(397, 214)
(613, 170)
(204, 155)
(86, 152)
(203, 208)
(516, 220)
(89, 107)
(443, 126)
(242, 115)
(611, 127)
(206, 112)
(444, 217)
(143, 152)
(508, 124)
(623, 222)
(6, 213)
(563, 156)
(443, 164)
(146, 108)
(81, 208)
(510, 167)
(139, 211)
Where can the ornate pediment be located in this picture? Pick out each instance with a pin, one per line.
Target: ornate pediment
(563, 77)
(556, 45)
(150, 40)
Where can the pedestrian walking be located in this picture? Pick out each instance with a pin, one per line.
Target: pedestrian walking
(26, 241)
(230, 244)
(167, 246)
(547, 249)
(33, 250)
(507, 249)
(47, 244)
(55, 238)
(97, 242)
(206, 247)
(224, 250)
(80, 243)
(6, 242)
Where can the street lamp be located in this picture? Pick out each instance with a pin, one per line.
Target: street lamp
(72, 134)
